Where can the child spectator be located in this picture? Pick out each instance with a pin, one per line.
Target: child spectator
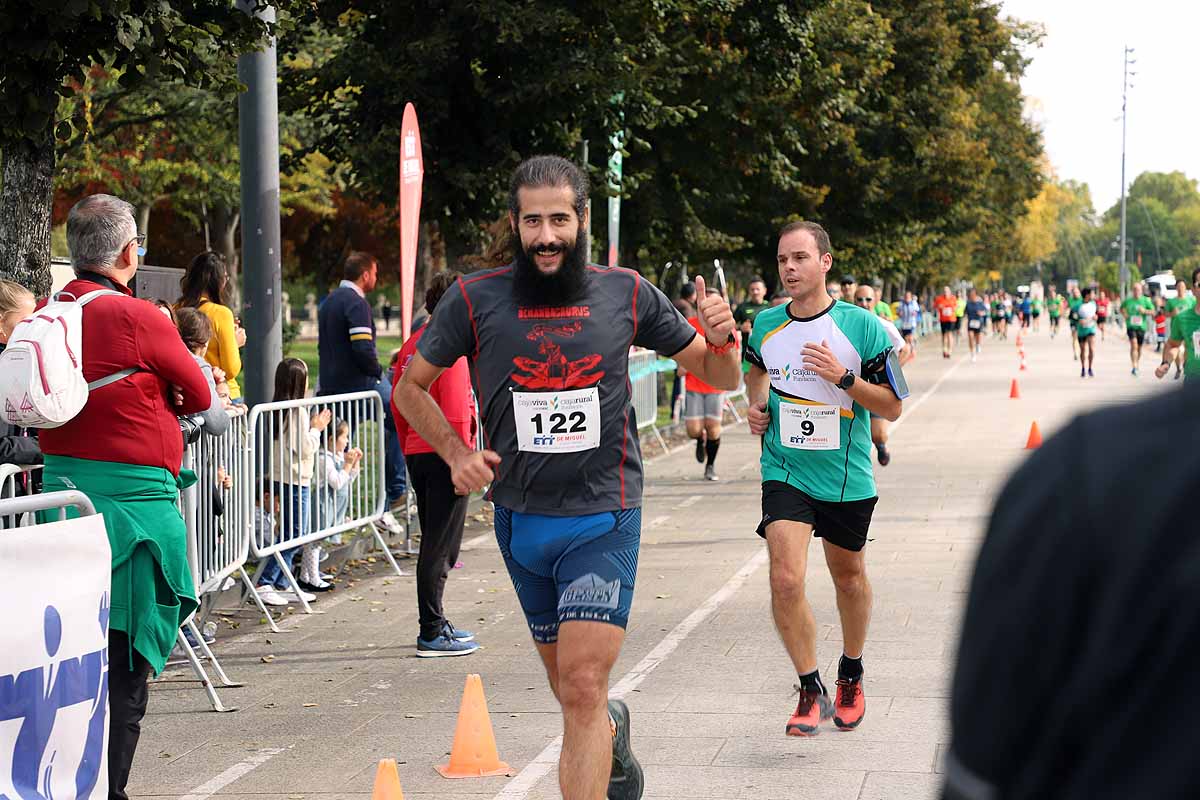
(340, 467)
(196, 331)
(292, 458)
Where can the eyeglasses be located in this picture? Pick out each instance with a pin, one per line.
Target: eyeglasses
(141, 243)
(865, 301)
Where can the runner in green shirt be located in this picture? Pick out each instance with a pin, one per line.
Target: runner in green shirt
(1054, 309)
(1184, 336)
(1074, 301)
(820, 368)
(1182, 301)
(1137, 310)
(744, 314)
(1036, 308)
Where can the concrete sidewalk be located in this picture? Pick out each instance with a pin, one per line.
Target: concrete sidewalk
(703, 671)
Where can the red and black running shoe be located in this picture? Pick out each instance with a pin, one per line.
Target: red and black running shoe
(851, 704)
(812, 708)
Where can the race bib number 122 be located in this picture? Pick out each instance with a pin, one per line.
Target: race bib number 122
(557, 422)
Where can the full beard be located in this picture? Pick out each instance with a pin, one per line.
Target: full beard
(532, 287)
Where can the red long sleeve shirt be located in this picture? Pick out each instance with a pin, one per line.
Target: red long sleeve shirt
(133, 420)
(451, 391)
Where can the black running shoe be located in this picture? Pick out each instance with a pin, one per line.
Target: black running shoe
(885, 457)
(627, 780)
(700, 450)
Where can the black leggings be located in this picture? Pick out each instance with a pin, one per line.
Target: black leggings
(127, 696)
(442, 514)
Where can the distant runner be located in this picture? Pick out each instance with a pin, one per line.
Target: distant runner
(947, 310)
(1037, 313)
(1054, 303)
(1086, 333)
(1183, 338)
(547, 339)
(1103, 310)
(864, 297)
(1137, 310)
(1181, 302)
(910, 320)
(1074, 301)
(977, 314)
(820, 367)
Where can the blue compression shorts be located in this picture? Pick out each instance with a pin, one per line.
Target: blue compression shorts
(571, 568)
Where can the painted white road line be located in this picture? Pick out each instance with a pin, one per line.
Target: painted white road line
(909, 410)
(689, 501)
(654, 523)
(207, 790)
(545, 762)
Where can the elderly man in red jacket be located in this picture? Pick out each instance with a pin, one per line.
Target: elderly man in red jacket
(124, 451)
(442, 512)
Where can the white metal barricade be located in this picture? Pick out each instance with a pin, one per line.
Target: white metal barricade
(301, 492)
(643, 378)
(17, 481)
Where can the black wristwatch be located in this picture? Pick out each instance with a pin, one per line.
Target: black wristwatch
(847, 381)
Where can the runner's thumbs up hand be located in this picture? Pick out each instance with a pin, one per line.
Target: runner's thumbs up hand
(716, 318)
(473, 471)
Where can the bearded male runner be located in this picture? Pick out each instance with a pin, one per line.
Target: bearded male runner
(547, 339)
(820, 367)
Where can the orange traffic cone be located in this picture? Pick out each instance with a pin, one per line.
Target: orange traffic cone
(1035, 438)
(474, 752)
(387, 781)
(1015, 392)
(1022, 363)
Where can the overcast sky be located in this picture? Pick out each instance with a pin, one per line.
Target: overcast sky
(1073, 87)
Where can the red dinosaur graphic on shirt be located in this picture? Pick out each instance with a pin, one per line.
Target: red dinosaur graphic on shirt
(556, 371)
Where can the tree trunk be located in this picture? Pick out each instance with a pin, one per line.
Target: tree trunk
(225, 223)
(143, 221)
(25, 205)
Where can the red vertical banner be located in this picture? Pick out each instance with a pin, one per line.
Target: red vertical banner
(412, 172)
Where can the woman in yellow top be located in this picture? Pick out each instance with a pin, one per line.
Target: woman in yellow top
(203, 287)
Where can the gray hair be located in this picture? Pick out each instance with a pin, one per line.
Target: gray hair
(98, 226)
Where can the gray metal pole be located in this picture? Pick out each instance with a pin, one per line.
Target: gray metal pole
(1124, 268)
(258, 139)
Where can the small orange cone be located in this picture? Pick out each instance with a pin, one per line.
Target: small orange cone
(1022, 363)
(1035, 438)
(1015, 392)
(474, 753)
(387, 781)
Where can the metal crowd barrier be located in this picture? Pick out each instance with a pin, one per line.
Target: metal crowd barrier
(17, 481)
(294, 481)
(643, 378)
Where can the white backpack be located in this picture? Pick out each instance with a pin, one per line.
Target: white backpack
(41, 369)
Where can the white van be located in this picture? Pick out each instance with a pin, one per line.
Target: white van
(1162, 284)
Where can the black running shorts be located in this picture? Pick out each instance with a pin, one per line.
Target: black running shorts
(844, 524)
(1140, 336)
(948, 327)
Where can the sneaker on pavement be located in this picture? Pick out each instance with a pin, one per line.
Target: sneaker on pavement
(710, 473)
(290, 596)
(270, 596)
(323, 586)
(443, 646)
(458, 634)
(812, 708)
(626, 780)
(850, 705)
(885, 457)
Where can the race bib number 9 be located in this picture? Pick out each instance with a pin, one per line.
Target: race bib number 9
(557, 422)
(810, 427)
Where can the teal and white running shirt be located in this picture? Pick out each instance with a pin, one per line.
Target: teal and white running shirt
(819, 439)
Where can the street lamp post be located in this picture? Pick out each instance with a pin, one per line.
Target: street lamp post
(1124, 270)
